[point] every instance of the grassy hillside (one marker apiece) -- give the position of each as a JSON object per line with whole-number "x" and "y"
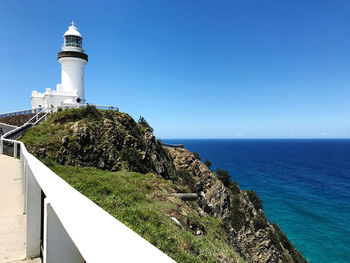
{"x": 144, "y": 203}
{"x": 104, "y": 139}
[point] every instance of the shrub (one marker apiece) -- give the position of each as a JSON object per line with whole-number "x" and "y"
{"x": 196, "y": 156}
{"x": 145, "y": 124}
{"x": 186, "y": 177}
{"x": 67, "y": 115}
{"x": 282, "y": 237}
{"x": 234, "y": 187}
{"x": 237, "y": 217}
{"x": 208, "y": 163}
{"x": 254, "y": 198}
{"x": 91, "y": 112}
{"x": 109, "y": 114}
{"x": 259, "y": 222}
{"x": 134, "y": 160}
{"x": 273, "y": 237}
{"x": 135, "y": 131}
{"x": 223, "y": 176}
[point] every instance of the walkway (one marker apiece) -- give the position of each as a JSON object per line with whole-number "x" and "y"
{"x": 12, "y": 220}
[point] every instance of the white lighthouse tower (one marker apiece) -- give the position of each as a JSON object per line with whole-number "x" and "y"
{"x": 73, "y": 60}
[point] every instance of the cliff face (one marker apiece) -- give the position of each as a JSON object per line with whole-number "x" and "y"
{"x": 114, "y": 141}
{"x": 246, "y": 226}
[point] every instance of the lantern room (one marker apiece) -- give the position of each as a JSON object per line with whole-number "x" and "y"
{"x": 72, "y": 39}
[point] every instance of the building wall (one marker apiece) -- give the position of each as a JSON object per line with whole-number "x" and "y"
{"x": 52, "y": 99}
{"x": 72, "y": 76}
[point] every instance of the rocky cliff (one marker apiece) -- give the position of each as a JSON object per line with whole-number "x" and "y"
{"x": 247, "y": 228}
{"x": 114, "y": 141}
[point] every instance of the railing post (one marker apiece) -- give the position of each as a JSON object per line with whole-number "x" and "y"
{"x": 1, "y": 146}
{"x": 15, "y": 149}
{"x": 33, "y": 192}
{"x": 22, "y": 170}
{"x": 58, "y": 246}
{"x": 25, "y": 184}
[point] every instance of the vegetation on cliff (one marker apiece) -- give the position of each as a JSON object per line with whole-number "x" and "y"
{"x": 144, "y": 203}
{"x": 119, "y": 164}
{"x": 107, "y": 140}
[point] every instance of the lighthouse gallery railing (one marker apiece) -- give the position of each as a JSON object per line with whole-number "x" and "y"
{"x": 68, "y": 226}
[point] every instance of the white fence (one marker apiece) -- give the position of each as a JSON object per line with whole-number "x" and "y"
{"x": 70, "y": 227}
{"x": 21, "y": 112}
{"x": 102, "y": 107}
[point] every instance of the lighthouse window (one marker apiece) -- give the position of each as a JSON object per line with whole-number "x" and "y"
{"x": 72, "y": 41}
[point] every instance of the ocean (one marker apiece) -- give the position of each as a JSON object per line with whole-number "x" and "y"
{"x": 304, "y": 185}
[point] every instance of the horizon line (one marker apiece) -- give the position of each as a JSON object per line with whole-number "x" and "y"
{"x": 297, "y": 138}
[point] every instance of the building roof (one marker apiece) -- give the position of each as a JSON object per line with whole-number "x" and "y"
{"x": 72, "y": 31}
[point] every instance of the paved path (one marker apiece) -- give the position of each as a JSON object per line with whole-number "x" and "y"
{"x": 12, "y": 220}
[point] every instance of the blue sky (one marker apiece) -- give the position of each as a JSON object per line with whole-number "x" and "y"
{"x": 193, "y": 69}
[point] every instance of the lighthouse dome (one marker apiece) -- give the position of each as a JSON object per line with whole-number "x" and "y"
{"x": 72, "y": 31}
{"x": 73, "y": 40}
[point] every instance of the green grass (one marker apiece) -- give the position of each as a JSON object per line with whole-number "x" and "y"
{"x": 61, "y": 123}
{"x": 42, "y": 133}
{"x": 144, "y": 203}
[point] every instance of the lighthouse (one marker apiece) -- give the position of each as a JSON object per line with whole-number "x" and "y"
{"x": 73, "y": 60}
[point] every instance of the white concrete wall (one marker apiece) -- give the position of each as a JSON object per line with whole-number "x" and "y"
{"x": 53, "y": 99}
{"x": 72, "y": 75}
{"x": 37, "y": 101}
{"x": 58, "y": 246}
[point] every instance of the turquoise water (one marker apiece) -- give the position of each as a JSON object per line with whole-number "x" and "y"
{"x": 304, "y": 185}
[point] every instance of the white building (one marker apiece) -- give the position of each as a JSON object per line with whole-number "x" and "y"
{"x": 73, "y": 60}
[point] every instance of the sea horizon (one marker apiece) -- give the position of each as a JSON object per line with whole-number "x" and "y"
{"x": 255, "y": 138}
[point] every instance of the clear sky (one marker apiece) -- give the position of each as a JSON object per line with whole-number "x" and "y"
{"x": 193, "y": 69}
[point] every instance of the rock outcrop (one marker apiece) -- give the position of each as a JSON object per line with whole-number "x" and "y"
{"x": 105, "y": 140}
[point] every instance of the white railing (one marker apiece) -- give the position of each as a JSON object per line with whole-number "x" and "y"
{"x": 102, "y": 107}
{"x": 44, "y": 112}
{"x": 65, "y": 106}
{"x": 106, "y": 107}
{"x": 20, "y": 112}
{"x": 72, "y": 228}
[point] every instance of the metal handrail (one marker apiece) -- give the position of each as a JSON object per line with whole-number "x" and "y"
{"x": 106, "y": 107}
{"x": 28, "y": 123}
{"x": 36, "y": 116}
{"x": 52, "y": 110}
{"x": 20, "y": 112}
{"x": 102, "y": 107}
{"x": 173, "y": 145}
